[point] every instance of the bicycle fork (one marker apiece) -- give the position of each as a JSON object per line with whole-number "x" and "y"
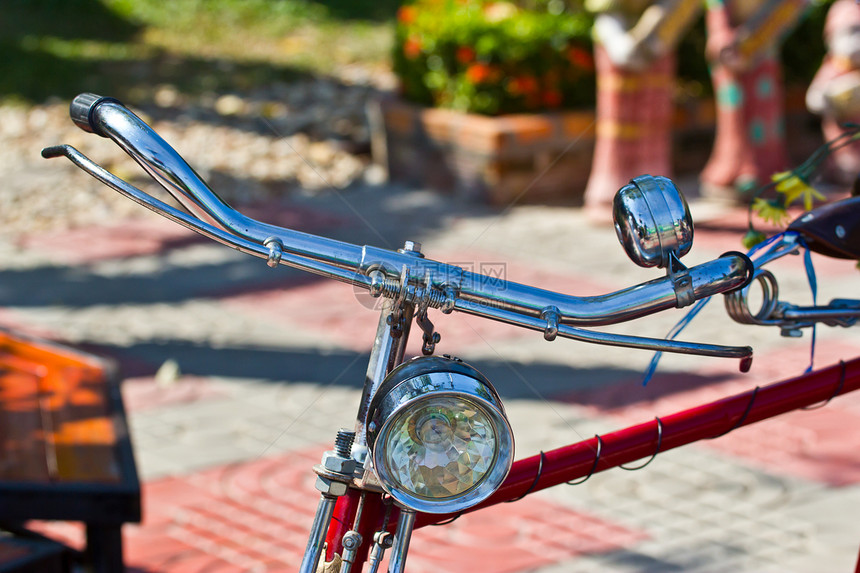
{"x": 354, "y": 519}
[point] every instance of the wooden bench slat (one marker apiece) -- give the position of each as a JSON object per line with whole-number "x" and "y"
{"x": 56, "y": 422}
{"x": 22, "y": 455}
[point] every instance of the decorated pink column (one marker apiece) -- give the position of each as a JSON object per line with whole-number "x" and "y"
{"x": 834, "y": 93}
{"x": 635, "y": 62}
{"x": 742, "y": 49}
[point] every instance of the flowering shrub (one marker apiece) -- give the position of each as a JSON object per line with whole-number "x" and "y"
{"x": 494, "y": 57}
{"x": 793, "y": 185}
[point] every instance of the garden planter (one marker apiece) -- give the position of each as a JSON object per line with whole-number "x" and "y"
{"x": 531, "y": 158}
{"x": 500, "y": 160}
{"x": 523, "y": 158}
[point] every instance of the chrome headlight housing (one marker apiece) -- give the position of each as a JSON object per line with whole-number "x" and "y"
{"x": 439, "y": 438}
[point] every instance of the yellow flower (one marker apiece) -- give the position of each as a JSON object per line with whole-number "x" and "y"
{"x": 792, "y": 186}
{"x": 771, "y": 211}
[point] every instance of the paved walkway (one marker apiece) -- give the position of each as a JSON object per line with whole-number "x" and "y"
{"x": 238, "y": 376}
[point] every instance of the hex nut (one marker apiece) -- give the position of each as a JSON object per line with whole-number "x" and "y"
{"x": 335, "y": 463}
{"x": 351, "y": 540}
{"x": 330, "y": 486}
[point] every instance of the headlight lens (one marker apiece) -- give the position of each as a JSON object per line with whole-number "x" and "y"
{"x": 442, "y": 448}
{"x": 440, "y": 441}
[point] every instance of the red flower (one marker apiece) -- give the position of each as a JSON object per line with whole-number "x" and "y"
{"x": 580, "y": 58}
{"x": 478, "y": 73}
{"x": 406, "y": 14}
{"x": 522, "y": 85}
{"x": 412, "y": 47}
{"x": 552, "y": 98}
{"x": 465, "y": 55}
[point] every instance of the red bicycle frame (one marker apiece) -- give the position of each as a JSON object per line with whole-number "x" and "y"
{"x": 582, "y": 459}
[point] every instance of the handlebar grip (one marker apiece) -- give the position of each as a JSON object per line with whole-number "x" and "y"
{"x": 81, "y": 111}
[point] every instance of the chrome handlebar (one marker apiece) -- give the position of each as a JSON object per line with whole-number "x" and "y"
{"x": 403, "y": 274}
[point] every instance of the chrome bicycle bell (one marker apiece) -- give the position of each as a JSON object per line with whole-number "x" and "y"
{"x": 652, "y": 221}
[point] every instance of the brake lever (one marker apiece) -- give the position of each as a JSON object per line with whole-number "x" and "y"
{"x": 108, "y": 118}
{"x": 243, "y": 245}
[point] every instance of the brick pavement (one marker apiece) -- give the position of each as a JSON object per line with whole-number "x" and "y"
{"x": 271, "y": 364}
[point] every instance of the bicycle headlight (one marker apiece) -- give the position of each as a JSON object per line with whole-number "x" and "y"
{"x": 438, "y": 435}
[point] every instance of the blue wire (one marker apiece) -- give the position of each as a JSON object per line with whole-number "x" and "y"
{"x": 696, "y": 308}
{"x": 813, "y": 286}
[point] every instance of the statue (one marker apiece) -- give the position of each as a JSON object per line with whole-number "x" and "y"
{"x": 635, "y": 61}
{"x": 742, "y": 49}
{"x": 834, "y": 93}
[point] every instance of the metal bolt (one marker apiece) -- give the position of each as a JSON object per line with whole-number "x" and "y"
{"x": 383, "y": 538}
{"x": 276, "y": 249}
{"x": 412, "y": 248}
{"x": 840, "y": 231}
{"x": 351, "y": 540}
{"x": 551, "y": 315}
{"x": 343, "y": 443}
{"x": 377, "y": 283}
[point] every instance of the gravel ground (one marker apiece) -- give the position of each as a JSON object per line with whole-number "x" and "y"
{"x": 309, "y": 135}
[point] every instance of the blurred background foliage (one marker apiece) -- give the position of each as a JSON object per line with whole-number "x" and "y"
{"x": 478, "y": 55}
{"x": 495, "y": 57}
{"x": 58, "y": 48}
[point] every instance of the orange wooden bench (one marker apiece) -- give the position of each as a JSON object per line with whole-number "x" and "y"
{"x": 32, "y": 555}
{"x": 65, "y": 452}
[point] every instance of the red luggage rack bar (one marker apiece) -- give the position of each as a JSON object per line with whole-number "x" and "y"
{"x": 645, "y": 440}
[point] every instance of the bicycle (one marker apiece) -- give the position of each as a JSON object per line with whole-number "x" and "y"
{"x": 372, "y": 494}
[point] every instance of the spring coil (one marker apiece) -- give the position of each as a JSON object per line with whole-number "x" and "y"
{"x": 737, "y": 302}
{"x": 391, "y": 288}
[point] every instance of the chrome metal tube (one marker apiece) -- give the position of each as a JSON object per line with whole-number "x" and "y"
{"x": 441, "y": 285}
{"x": 387, "y": 352}
{"x": 377, "y": 551}
{"x": 205, "y": 229}
{"x": 397, "y": 561}
{"x": 319, "y": 528}
{"x": 168, "y": 168}
{"x": 606, "y": 338}
{"x": 710, "y": 278}
{"x": 821, "y": 314}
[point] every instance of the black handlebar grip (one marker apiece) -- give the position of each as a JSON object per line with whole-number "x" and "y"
{"x": 81, "y": 110}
